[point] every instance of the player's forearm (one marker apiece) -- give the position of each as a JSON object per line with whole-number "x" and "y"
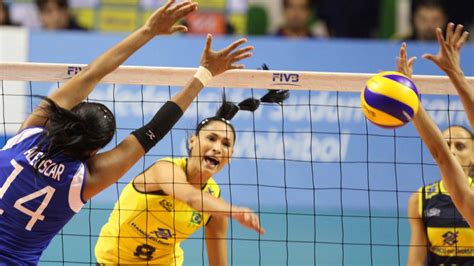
{"x": 216, "y": 248}
{"x": 115, "y": 56}
{"x": 79, "y": 87}
{"x": 186, "y": 96}
{"x": 430, "y": 134}
{"x": 207, "y": 203}
{"x": 465, "y": 91}
{"x": 417, "y": 256}
{"x": 108, "y": 167}
{"x": 451, "y": 170}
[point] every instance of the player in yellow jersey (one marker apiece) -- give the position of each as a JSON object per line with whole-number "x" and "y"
{"x": 173, "y": 198}
{"x": 440, "y": 235}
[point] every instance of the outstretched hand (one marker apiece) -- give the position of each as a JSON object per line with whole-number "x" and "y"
{"x": 448, "y": 56}
{"x": 247, "y": 218}
{"x": 162, "y": 21}
{"x": 405, "y": 65}
{"x": 220, "y": 61}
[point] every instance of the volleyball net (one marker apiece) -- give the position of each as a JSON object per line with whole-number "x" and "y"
{"x": 330, "y": 188}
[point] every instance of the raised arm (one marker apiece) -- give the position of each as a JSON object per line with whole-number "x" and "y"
{"x": 451, "y": 170}
{"x": 448, "y": 60}
{"x": 80, "y": 86}
{"x": 106, "y": 168}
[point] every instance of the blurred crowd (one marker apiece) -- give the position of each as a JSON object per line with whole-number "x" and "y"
{"x": 401, "y": 19}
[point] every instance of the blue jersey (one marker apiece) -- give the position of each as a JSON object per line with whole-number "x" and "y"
{"x": 37, "y": 197}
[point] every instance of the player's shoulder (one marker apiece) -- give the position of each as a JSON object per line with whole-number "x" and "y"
{"x": 213, "y": 188}
{"x": 22, "y": 135}
{"x": 180, "y": 162}
{"x": 430, "y": 190}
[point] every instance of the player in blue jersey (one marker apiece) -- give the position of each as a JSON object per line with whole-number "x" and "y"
{"x": 51, "y": 167}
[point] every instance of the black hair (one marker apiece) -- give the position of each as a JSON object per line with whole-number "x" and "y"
{"x": 228, "y": 109}
{"x": 86, "y": 127}
{"x": 429, "y": 4}
{"x": 63, "y": 4}
{"x": 286, "y": 3}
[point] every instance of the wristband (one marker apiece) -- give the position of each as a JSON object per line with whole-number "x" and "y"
{"x": 203, "y": 75}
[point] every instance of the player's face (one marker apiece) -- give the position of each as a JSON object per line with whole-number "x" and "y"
{"x": 54, "y": 17}
{"x": 427, "y": 20}
{"x": 213, "y": 146}
{"x": 297, "y": 14}
{"x": 461, "y": 145}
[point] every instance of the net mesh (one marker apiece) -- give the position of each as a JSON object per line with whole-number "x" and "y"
{"x": 330, "y": 188}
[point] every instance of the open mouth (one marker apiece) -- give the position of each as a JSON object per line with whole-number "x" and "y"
{"x": 211, "y": 161}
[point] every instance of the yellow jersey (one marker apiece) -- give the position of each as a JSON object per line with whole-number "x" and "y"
{"x": 451, "y": 240}
{"x": 147, "y": 228}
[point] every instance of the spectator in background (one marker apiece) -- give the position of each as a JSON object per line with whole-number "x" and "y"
{"x": 297, "y": 16}
{"x": 457, "y": 11}
{"x": 349, "y": 18}
{"x": 427, "y": 16}
{"x": 5, "y": 14}
{"x": 55, "y": 15}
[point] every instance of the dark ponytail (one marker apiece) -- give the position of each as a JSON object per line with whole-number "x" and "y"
{"x": 78, "y": 132}
{"x": 228, "y": 109}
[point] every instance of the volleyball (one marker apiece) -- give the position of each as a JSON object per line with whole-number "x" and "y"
{"x": 390, "y": 99}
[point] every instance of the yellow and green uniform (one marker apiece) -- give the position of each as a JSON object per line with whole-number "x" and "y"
{"x": 147, "y": 228}
{"x": 451, "y": 240}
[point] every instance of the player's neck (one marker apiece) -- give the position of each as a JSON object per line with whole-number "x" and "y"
{"x": 195, "y": 176}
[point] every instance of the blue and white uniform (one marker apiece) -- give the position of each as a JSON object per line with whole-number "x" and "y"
{"x": 36, "y": 199}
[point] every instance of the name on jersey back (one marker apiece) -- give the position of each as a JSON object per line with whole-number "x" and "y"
{"x": 47, "y": 167}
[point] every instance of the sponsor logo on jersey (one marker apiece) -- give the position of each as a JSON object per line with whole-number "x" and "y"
{"x": 210, "y": 190}
{"x": 450, "y": 238}
{"x": 432, "y": 212}
{"x": 163, "y": 233}
{"x": 167, "y": 205}
{"x": 431, "y": 191}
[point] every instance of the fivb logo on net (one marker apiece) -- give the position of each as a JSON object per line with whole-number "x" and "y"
{"x": 286, "y": 79}
{"x": 73, "y": 70}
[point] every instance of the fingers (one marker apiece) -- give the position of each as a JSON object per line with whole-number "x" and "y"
{"x": 402, "y": 58}
{"x": 240, "y": 57}
{"x": 462, "y": 40}
{"x": 241, "y": 54}
{"x": 449, "y": 32}
{"x": 240, "y": 66}
{"x": 179, "y": 28}
{"x": 457, "y": 34}
{"x": 442, "y": 44}
{"x": 208, "y": 42}
{"x": 411, "y": 61}
{"x": 403, "y": 50}
{"x": 178, "y": 6}
{"x": 184, "y": 9}
{"x": 429, "y": 57}
{"x": 250, "y": 220}
{"x": 233, "y": 46}
{"x": 254, "y": 222}
{"x": 168, "y": 4}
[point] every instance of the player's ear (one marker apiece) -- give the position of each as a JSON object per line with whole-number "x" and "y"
{"x": 191, "y": 141}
